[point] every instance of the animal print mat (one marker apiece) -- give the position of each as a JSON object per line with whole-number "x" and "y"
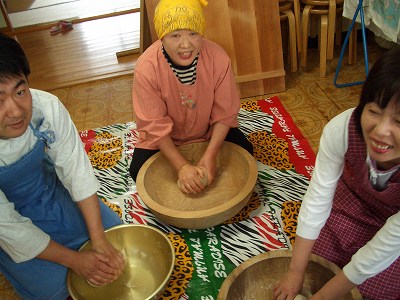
{"x": 204, "y": 258}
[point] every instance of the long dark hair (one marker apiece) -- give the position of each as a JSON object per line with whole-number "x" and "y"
{"x": 13, "y": 61}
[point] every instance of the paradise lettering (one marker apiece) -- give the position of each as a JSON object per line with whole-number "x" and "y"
{"x": 216, "y": 254}
{"x": 281, "y": 122}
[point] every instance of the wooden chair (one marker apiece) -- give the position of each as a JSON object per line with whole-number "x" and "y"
{"x": 290, "y": 10}
{"x": 4, "y": 13}
{"x": 328, "y": 11}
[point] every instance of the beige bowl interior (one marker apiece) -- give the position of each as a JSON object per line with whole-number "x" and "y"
{"x": 255, "y": 278}
{"x": 227, "y": 195}
{"x": 150, "y": 261}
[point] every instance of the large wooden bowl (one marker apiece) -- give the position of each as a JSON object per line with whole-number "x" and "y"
{"x": 226, "y": 196}
{"x": 150, "y": 260}
{"x": 255, "y": 278}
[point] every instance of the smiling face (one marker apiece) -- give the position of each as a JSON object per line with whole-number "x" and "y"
{"x": 182, "y": 46}
{"x": 15, "y": 107}
{"x": 381, "y": 131}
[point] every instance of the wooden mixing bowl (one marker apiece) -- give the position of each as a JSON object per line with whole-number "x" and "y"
{"x": 225, "y": 197}
{"x": 150, "y": 260}
{"x": 255, "y": 278}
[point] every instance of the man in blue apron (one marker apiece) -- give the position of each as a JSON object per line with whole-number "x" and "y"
{"x": 48, "y": 201}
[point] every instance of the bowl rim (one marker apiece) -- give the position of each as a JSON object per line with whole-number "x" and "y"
{"x": 223, "y": 292}
{"x": 162, "y": 286}
{"x": 195, "y": 214}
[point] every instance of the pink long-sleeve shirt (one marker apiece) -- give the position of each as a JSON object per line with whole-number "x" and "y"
{"x": 164, "y": 106}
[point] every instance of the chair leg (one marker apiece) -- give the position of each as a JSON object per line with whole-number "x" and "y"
{"x": 338, "y": 34}
{"x": 323, "y": 45}
{"x": 331, "y": 27}
{"x": 353, "y": 46}
{"x": 292, "y": 39}
{"x": 297, "y": 15}
{"x": 305, "y": 17}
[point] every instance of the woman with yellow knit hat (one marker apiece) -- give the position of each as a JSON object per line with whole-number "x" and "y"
{"x": 184, "y": 91}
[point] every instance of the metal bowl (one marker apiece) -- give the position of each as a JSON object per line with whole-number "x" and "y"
{"x": 150, "y": 259}
{"x": 255, "y": 278}
{"x": 222, "y": 199}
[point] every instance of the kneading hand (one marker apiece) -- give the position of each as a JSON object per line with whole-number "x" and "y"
{"x": 289, "y": 286}
{"x": 192, "y": 179}
{"x": 101, "y": 265}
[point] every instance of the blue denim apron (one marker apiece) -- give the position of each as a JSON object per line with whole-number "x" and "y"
{"x": 32, "y": 185}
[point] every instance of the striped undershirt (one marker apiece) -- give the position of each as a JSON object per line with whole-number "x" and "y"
{"x": 185, "y": 74}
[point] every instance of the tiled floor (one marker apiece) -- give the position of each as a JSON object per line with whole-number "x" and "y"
{"x": 99, "y": 103}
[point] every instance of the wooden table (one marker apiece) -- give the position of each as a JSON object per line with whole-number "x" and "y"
{"x": 250, "y": 33}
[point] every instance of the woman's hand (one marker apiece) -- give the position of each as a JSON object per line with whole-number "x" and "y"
{"x": 210, "y": 167}
{"x": 289, "y": 286}
{"x": 191, "y": 179}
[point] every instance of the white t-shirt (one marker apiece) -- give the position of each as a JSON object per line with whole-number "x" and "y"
{"x": 384, "y": 248}
{"x": 18, "y": 236}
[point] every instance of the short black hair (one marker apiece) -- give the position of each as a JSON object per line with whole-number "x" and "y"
{"x": 13, "y": 61}
{"x": 382, "y": 84}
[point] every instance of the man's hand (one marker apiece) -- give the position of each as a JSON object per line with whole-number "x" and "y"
{"x": 94, "y": 267}
{"x": 101, "y": 265}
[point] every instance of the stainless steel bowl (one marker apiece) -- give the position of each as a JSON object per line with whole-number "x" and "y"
{"x": 150, "y": 259}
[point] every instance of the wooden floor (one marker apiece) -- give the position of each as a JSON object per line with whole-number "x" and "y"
{"x": 33, "y": 12}
{"x": 86, "y": 53}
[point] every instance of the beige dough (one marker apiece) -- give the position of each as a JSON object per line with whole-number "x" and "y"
{"x": 305, "y": 294}
{"x": 204, "y": 179}
{"x": 300, "y": 297}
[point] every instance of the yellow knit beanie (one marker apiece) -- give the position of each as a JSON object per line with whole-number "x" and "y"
{"x": 173, "y": 15}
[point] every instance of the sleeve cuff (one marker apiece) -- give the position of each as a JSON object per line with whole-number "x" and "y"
{"x": 351, "y": 273}
{"x": 34, "y": 246}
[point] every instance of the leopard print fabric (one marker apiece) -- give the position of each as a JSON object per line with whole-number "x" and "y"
{"x": 183, "y": 270}
{"x": 268, "y": 149}
{"x": 114, "y": 207}
{"x": 244, "y": 214}
{"x": 289, "y": 214}
{"x": 106, "y": 151}
{"x": 271, "y": 150}
{"x": 250, "y": 105}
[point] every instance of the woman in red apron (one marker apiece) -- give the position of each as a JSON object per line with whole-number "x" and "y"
{"x": 350, "y": 213}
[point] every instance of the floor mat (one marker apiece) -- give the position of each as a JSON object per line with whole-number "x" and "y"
{"x": 268, "y": 222}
